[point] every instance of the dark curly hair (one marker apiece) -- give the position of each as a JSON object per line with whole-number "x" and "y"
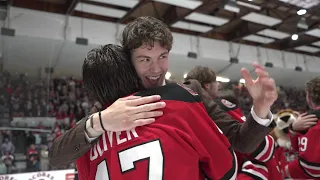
{"x": 204, "y": 75}
{"x": 107, "y": 74}
{"x": 313, "y": 88}
{"x": 145, "y": 31}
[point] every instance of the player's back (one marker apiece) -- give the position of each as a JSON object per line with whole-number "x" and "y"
{"x": 302, "y": 138}
{"x": 182, "y": 144}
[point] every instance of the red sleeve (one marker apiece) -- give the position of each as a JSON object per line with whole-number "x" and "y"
{"x": 204, "y": 131}
{"x": 232, "y": 109}
{"x": 237, "y": 115}
{"x": 308, "y": 164}
{"x": 83, "y": 167}
{"x": 252, "y": 170}
{"x": 294, "y": 141}
{"x": 265, "y": 150}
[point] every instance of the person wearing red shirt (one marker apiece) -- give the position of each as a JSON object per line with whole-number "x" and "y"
{"x": 307, "y": 165}
{"x": 32, "y": 158}
{"x": 9, "y": 89}
{"x": 259, "y": 164}
{"x": 148, "y": 42}
{"x": 184, "y": 143}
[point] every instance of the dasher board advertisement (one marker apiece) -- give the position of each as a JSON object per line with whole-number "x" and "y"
{"x": 68, "y": 174}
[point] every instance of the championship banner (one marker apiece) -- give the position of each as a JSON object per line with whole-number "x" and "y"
{"x": 68, "y": 174}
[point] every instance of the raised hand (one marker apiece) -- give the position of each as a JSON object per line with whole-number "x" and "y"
{"x": 262, "y": 90}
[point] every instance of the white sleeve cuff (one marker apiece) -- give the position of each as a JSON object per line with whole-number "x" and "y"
{"x": 91, "y": 131}
{"x": 89, "y": 139}
{"x": 263, "y": 122}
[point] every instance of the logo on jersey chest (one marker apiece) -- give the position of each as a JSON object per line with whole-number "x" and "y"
{"x": 227, "y": 103}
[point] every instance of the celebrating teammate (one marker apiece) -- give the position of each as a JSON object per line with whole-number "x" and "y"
{"x": 259, "y": 164}
{"x": 148, "y": 41}
{"x": 184, "y": 137}
{"x": 307, "y": 166}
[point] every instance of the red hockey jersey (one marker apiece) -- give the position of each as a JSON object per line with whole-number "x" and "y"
{"x": 252, "y": 170}
{"x": 263, "y": 156}
{"x": 284, "y": 156}
{"x": 307, "y": 166}
{"x": 184, "y": 143}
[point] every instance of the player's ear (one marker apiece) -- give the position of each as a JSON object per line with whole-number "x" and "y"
{"x": 206, "y": 86}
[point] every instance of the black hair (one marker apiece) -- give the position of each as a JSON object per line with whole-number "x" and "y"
{"x": 108, "y": 74}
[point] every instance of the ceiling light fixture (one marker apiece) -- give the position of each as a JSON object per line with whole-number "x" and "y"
{"x": 185, "y": 75}
{"x": 295, "y": 37}
{"x": 222, "y": 79}
{"x": 301, "y": 12}
{"x": 302, "y": 24}
{"x": 242, "y": 81}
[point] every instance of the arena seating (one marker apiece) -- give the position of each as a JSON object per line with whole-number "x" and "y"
{"x": 54, "y": 107}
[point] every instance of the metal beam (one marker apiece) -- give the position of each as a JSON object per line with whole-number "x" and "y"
{"x": 216, "y": 35}
{"x": 175, "y": 14}
{"x": 200, "y": 23}
{"x": 242, "y": 31}
{"x": 184, "y": 31}
{"x": 287, "y": 43}
{"x": 236, "y": 19}
{"x": 171, "y": 15}
{"x": 125, "y": 17}
{"x": 246, "y": 32}
{"x": 72, "y": 5}
{"x": 41, "y": 6}
{"x": 243, "y": 27}
{"x": 94, "y": 16}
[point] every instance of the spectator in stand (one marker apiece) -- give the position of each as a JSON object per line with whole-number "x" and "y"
{"x": 7, "y": 159}
{"x": 7, "y": 146}
{"x": 32, "y": 158}
{"x": 44, "y": 160}
{"x": 50, "y": 138}
{"x": 9, "y": 89}
{"x": 25, "y": 98}
{"x": 31, "y": 139}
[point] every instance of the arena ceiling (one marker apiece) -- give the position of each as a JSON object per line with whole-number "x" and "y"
{"x": 265, "y": 23}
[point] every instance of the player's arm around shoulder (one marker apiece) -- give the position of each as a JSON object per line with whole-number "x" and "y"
{"x": 244, "y": 137}
{"x": 71, "y": 145}
{"x": 124, "y": 114}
